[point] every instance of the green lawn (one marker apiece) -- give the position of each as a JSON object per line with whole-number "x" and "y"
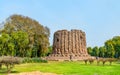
{"x": 69, "y": 68}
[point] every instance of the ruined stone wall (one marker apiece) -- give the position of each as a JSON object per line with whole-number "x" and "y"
{"x": 69, "y": 44}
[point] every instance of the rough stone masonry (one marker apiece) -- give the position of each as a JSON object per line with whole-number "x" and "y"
{"x": 69, "y": 45}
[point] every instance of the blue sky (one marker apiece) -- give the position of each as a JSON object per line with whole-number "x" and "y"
{"x": 100, "y": 19}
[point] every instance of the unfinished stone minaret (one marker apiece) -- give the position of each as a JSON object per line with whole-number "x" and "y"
{"x": 69, "y": 45}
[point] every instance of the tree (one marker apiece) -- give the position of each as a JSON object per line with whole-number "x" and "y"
{"x": 89, "y": 49}
{"x": 116, "y": 44}
{"x": 21, "y": 41}
{"x": 110, "y": 48}
{"x": 14, "y": 45}
{"x": 38, "y": 35}
{"x": 6, "y": 45}
{"x": 95, "y": 51}
{"x": 49, "y": 50}
{"x": 102, "y": 51}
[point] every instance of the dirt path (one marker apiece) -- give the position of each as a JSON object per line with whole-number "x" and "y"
{"x": 34, "y": 73}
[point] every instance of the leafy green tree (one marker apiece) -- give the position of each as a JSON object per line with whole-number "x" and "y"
{"x": 89, "y": 49}
{"x": 6, "y": 45}
{"x": 116, "y": 44}
{"x": 96, "y": 51}
{"x": 38, "y": 35}
{"x": 49, "y": 50}
{"x": 21, "y": 42}
{"x": 102, "y": 51}
{"x": 110, "y": 48}
{"x": 14, "y": 45}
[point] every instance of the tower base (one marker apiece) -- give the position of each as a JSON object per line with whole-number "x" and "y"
{"x": 67, "y": 57}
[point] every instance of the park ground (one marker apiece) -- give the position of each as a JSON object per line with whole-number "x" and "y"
{"x": 68, "y": 68}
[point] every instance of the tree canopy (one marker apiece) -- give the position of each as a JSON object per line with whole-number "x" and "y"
{"x": 29, "y": 37}
{"x": 110, "y": 49}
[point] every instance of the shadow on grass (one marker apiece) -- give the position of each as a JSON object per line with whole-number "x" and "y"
{"x": 4, "y": 71}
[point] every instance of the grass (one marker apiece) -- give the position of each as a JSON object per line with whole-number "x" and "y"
{"x": 69, "y": 68}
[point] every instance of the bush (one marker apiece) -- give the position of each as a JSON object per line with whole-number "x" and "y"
{"x": 110, "y": 60}
{"x": 91, "y": 60}
{"x": 104, "y": 61}
{"x": 33, "y": 60}
{"x": 9, "y": 62}
{"x": 118, "y": 61}
{"x": 37, "y": 60}
{"x": 99, "y": 60}
{"x": 86, "y": 60}
{"x": 26, "y": 60}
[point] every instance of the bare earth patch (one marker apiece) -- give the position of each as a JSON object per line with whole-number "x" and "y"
{"x": 34, "y": 73}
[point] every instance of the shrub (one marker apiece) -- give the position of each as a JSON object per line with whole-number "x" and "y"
{"x": 9, "y": 62}
{"x": 104, "y": 61}
{"x": 99, "y": 60}
{"x": 86, "y": 60}
{"x": 37, "y": 60}
{"x": 110, "y": 60}
{"x": 26, "y": 60}
{"x": 91, "y": 60}
{"x": 33, "y": 60}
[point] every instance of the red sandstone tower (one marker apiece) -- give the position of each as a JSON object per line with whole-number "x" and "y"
{"x": 69, "y": 45}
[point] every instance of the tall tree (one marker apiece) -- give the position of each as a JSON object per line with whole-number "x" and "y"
{"x": 38, "y": 35}
{"x": 21, "y": 41}
{"x": 89, "y": 49}
{"x": 110, "y": 48}
{"x": 116, "y": 44}
{"x": 102, "y": 51}
{"x": 6, "y": 45}
{"x": 96, "y": 51}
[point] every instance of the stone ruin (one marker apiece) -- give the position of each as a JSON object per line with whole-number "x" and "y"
{"x": 69, "y": 45}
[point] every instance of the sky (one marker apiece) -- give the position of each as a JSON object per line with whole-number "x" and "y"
{"x": 99, "y": 19}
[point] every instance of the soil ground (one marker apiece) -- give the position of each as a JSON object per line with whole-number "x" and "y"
{"x": 34, "y": 73}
